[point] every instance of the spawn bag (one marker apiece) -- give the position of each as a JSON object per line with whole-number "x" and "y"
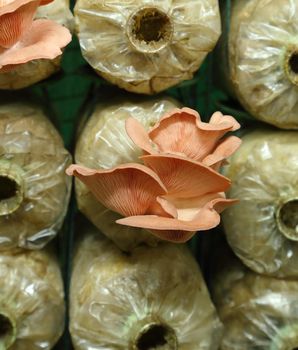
{"x": 104, "y": 144}
{"x": 34, "y": 71}
{"x": 260, "y": 54}
{"x": 152, "y": 298}
{"x": 31, "y": 301}
{"x": 58, "y": 11}
{"x": 34, "y": 189}
{"x": 258, "y": 312}
{"x": 146, "y": 46}
{"x": 262, "y": 227}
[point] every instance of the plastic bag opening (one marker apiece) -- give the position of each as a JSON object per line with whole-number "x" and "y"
{"x": 156, "y": 336}
{"x": 291, "y": 65}
{"x": 287, "y": 219}
{"x": 149, "y": 29}
{"x": 7, "y": 331}
{"x": 11, "y": 188}
{"x": 293, "y": 62}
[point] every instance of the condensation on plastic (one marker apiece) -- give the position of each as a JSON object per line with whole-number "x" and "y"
{"x": 261, "y": 41}
{"x": 108, "y": 34}
{"x": 33, "y": 204}
{"x": 264, "y": 178}
{"x": 118, "y": 300}
{"x": 258, "y": 312}
{"x": 31, "y": 301}
{"x": 37, "y": 70}
{"x": 104, "y": 144}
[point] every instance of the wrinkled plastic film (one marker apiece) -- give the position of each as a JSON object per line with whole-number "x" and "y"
{"x": 57, "y": 11}
{"x": 262, "y": 69}
{"x": 34, "y": 188}
{"x": 147, "y": 47}
{"x": 31, "y": 301}
{"x": 262, "y": 227}
{"x": 153, "y": 298}
{"x": 34, "y": 71}
{"x": 104, "y": 144}
{"x": 258, "y": 312}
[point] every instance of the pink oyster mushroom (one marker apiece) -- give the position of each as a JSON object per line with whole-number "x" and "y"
{"x": 178, "y": 190}
{"x": 22, "y": 39}
{"x": 173, "y": 199}
{"x": 182, "y": 132}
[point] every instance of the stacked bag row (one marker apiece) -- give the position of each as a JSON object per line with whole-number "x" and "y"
{"x": 136, "y": 291}
{"x": 34, "y": 190}
{"x": 256, "y": 302}
{"x": 147, "y": 172}
{"x": 257, "y": 311}
{"x": 130, "y": 296}
{"x": 34, "y": 195}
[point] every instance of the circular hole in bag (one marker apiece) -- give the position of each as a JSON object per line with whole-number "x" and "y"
{"x": 287, "y": 219}
{"x": 156, "y": 336}
{"x": 149, "y": 29}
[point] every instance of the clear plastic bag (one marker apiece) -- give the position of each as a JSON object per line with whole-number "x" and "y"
{"x": 103, "y": 144}
{"x": 34, "y": 71}
{"x": 258, "y": 312}
{"x": 34, "y": 189}
{"x": 262, "y": 227}
{"x": 147, "y": 46}
{"x": 31, "y": 301}
{"x": 152, "y": 298}
{"x": 262, "y": 58}
{"x": 57, "y": 11}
